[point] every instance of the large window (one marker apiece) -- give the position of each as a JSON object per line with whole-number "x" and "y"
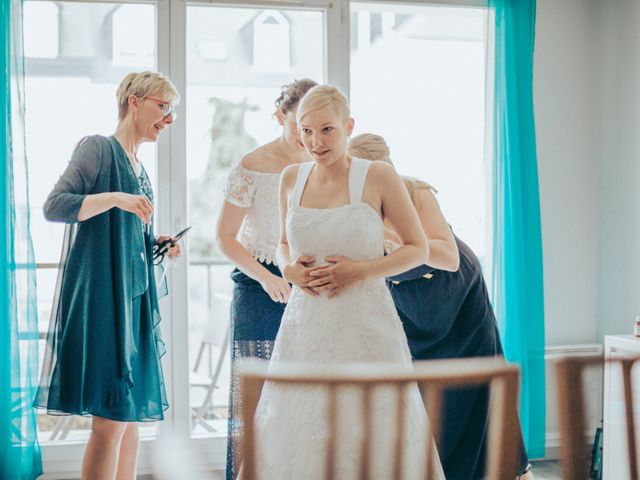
{"x": 415, "y": 74}
{"x": 418, "y": 79}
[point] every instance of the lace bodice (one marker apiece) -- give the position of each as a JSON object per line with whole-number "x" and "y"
{"x": 258, "y": 193}
{"x": 354, "y": 230}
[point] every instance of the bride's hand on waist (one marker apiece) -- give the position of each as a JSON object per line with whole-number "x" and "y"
{"x": 338, "y": 275}
{"x": 299, "y": 273}
{"x": 276, "y": 287}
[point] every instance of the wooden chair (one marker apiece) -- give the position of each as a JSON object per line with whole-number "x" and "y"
{"x": 501, "y": 378}
{"x": 571, "y": 414}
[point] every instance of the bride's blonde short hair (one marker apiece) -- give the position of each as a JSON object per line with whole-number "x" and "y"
{"x": 373, "y": 147}
{"x": 321, "y": 97}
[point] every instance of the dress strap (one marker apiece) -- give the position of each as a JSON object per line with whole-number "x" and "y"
{"x": 301, "y": 180}
{"x": 357, "y": 177}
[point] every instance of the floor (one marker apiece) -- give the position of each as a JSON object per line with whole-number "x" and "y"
{"x": 546, "y": 470}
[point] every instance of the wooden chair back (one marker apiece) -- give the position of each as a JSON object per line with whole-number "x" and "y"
{"x": 572, "y": 413}
{"x": 436, "y": 376}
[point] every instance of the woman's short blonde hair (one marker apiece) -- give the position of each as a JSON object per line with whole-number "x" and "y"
{"x": 370, "y": 146}
{"x": 143, "y": 84}
{"x": 321, "y": 97}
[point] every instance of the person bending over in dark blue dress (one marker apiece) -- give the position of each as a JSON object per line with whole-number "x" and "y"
{"x": 104, "y": 346}
{"x": 446, "y": 313}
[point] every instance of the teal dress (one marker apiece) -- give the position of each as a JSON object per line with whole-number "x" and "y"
{"x": 104, "y": 345}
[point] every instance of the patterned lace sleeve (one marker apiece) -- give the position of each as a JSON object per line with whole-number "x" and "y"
{"x": 241, "y": 187}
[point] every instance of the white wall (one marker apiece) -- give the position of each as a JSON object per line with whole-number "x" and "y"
{"x": 565, "y": 114}
{"x": 619, "y": 168}
{"x": 587, "y": 105}
{"x": 565, "y": 123}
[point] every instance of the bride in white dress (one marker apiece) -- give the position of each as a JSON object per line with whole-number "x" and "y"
{"x": 340, "y": 310}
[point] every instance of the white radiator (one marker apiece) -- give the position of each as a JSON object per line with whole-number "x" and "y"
{"x": 592, "y": 390}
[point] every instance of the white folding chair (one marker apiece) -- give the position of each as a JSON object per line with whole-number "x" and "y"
{"x": 62, "y": 428}
{"x": 215, "y": 336}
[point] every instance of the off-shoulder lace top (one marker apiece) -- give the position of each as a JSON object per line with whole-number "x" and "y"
{"x": 257, "y": 192}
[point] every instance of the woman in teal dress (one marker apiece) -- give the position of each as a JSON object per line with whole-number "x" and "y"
{"x": 104, "y": 345}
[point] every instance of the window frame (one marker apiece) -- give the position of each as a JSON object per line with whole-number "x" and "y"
{"x": 64, "y": 459}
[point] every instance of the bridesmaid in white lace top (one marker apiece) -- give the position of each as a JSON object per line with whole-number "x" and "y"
{"x": 248, "y": 234}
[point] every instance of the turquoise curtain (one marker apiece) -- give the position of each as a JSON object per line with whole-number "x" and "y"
{"x": 19, "y": 450}
{"x": 517, "y": 256}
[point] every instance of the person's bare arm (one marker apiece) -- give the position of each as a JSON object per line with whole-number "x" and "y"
{"x": 227, "y": 229}
{"x": 399, "y": 212}
{"x": 443, "y": 250}
{"x": 296, "y": 272}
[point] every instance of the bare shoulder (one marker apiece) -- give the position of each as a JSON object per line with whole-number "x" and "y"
{"x": 424, "y": 195}
{"x": 251, "y": 160}
{"x": 289, "y": 175}
{"x": 382, "y": 172}
{"x": 258, "y": 160}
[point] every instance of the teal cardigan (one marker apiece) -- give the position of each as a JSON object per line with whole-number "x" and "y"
{"x": 106, "y": 260}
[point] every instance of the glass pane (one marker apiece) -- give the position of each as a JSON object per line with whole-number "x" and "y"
{"x": 237, "y": 60}
{"x": 424, "y": 69}
{"x": 72, "y": 73}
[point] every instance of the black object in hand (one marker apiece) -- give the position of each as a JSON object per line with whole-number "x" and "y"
{"x": 160, "y": 249}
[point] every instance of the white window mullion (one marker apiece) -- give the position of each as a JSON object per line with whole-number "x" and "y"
{"x": 337, "y": 48}
{"x": 163, "y": 200}
{"x": 175, "y": 173}
{"x": 488, "y": 149}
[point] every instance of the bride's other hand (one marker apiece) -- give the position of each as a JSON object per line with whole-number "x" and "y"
{"x": 299, "y": 273}
{"x": 277, "y": 288}
{"x": 340, "y": 274}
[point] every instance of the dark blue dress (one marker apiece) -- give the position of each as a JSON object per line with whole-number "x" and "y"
{"x": 449, "y": 315}
{"x": 104, "y": 345}
{"x": 255, "y": 320}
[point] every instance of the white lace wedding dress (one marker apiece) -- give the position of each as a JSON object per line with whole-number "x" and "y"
{"x": 360, "y": 325}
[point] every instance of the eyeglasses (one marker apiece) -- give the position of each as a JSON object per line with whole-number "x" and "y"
{"x": 166, "y": 107}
